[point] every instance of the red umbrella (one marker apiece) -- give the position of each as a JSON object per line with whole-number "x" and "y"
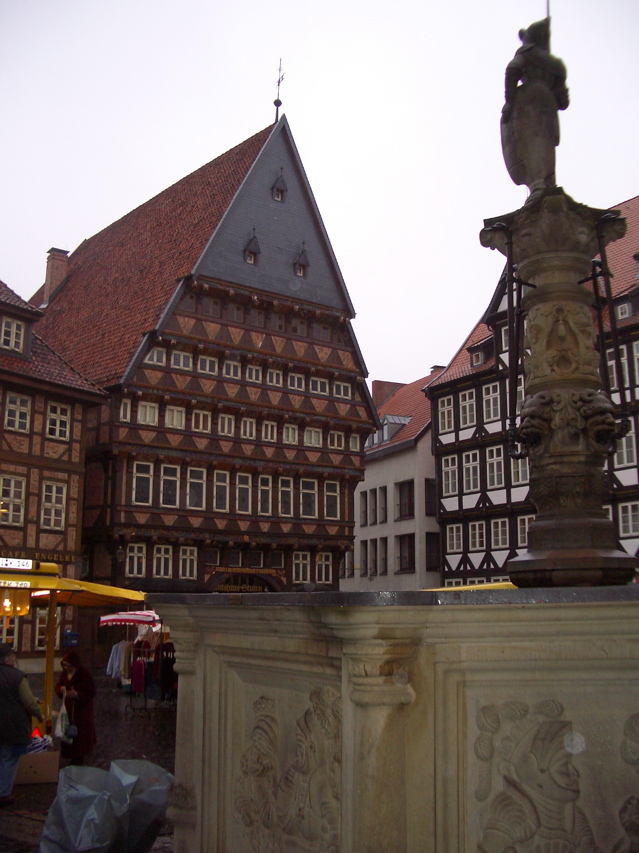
{"x": 131, "y": 617}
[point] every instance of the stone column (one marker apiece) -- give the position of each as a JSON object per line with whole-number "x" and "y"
{"x": 567, "y": 420}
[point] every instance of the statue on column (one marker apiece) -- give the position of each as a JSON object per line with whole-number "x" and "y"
{"x": 535, "y": 91}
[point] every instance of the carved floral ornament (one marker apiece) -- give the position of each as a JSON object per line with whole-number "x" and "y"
{"x": 559, "y": 343}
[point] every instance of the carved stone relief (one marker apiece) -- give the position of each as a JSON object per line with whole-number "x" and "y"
{"x": 292, "y": 803}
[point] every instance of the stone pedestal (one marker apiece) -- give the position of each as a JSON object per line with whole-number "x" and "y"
{"x": 566, "y": 420}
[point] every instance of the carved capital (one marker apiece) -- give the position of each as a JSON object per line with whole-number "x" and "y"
{"x": 182, "y": 805}
{"x": 379, "y": 673}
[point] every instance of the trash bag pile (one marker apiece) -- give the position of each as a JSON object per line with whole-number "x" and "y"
{"x": 117, "y": 811}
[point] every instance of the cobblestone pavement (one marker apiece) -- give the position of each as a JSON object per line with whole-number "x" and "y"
{"x": 125, "y": 731}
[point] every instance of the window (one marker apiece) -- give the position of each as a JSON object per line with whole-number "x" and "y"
{"x": 467, "y": 408}
{"x": 276, "y": 560}
{"x": 188, "y": 562}
{"x": 382, "y": 556}
{"x": 342, "y": 389}
{"x": 286, "y": 496}
{"x": 308, "y": 498}
{"x": 301, "y": 566}
{"x": 495, "y": 467}
{"x": 58, "y": 421}
{"x": 232, "y": 369}
{"x": 324, "y": 567}
{"x": 243, "y": 493}
{"x": 406, "y": 499}
{"x": 226, "y": 424}
{"x": 275, "y": 377}
{"x": 629, "y": 519}
{"x": 201, "y": 421}
{"x": 253, "y": 373}
{"x": 449, "y": 475}
{"x": 336, "y": 440}
{"x": 54, "y": 499}
{"x": 312, "y": 437}
{"x": 17, "y": 414}
{"x": 432, "y": 552}
{"x": 41, "y": 622}
{"x": 12, "y": 499}
{"x": 156, "y": 356}
{"x": 289, "y": 434}
{"x": 264, "y": 495}
{"x": 372, "y": 506}
{"x": 209, "y": 305}
{"x": 298, "y": 326}
{"x": 430, "y": 496}
{"x": 148, "y": 413}
{"x": 174, "y": 417}
{"x": 196, "y": 488}
{"x": 248, "y": 428}
{"x": 254, "y": 560}
{"x": 491, "y": 402}
{"x": 300, "y": 270}
{"x": 635, "y": 353}
{"x": 181, "y": 360}
{"x": 12, "y": 334}
{"x": 499, "y": 532}
{"x": 406, "y": 553}
{"x": 622, "y": 310}
{"x": 278, "y": 322}
{"x": 504, "y": 338}
{"x": 234, "y": 558}
{"x": 363, "y": 558}
{"x": 269, "y": 431}
{"x": 142, "y": 479}
{"x": 331, "y": 499}
{"x": 353, "y": 443}
{"x": 477, "y": 358}
{"x": 236, "y": 312}
{"x": 519, "y": 468}
{"x": 382, "y": 504}
{"x": 470, "y": 466}
{"x": 162, "y": 561}
{"x": 626, "y": 454}
{"x": 363, "y": 509}
{"x": 221, "y": 491}
{"x": 169, "y": 485}
{"x": 296, "y": 381}
{"x": 125, "y": 410}
{"x": 319, "y": 386}
{"x": 445, "y": 414}
{"x": 523, "y": 523}
{"x": 477, "y": 535}
{"x": 612, "y": 367}
{"x": 207, "y": 364}
{"x": 136, "y": 560}
{"x": 520, "y": 394}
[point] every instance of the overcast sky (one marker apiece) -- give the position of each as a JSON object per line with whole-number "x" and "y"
{"x": 394, "y": 108}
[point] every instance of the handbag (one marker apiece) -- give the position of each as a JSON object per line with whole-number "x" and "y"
{"x": 71, "y": 729}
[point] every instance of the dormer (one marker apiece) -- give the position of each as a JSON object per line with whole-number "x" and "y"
{"x": 252, "y": 250}
{"x": 301, "y": 263}
{"x": 279, "y": 188}
{"x": 17, "y": 318}
{"x": 481, "y": 351}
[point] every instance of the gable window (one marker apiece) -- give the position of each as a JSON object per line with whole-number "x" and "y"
{"x": 629, "y": 519}
{"x": 279, "y": 188}
{"x": 156, "y": 356}
{"x": 221, "y": 491}
{"x": 162, "y": 561}
{"x": 125, "y": 409}
{"x": 264, "y": 492}
{"x": 188, "y": 562}
{"x": 170, "y": 485}
{"x": 445, "y": 414}
{"x": 308, "y": 498}
{"x": 470, "y": 467}
{"x": 353, "y": 443}
{"x": 342, "y": 389}
{"x": 289, "y": 434}
{"x": 296, "y": 381}
{"x": 174, "y": 417}
{"x": 196, "y": 488}
{"x": 17, "y": 414}
{"x": 54, "y": 498}
{"x": 207, "y": 364}
{"x": 278, "y": 322}
{"x": 181, "y": 360}
{"x": 286, "y": 495}
{"x": 201, "y": 421}
{"x": 406, "y": 499}
{"x": 491, "y": 402}
{"x": 453, "y": 538}
{"x": 336, "y": 440}
{"x": 312, "y": 437}
{"x": 331, "y": 499}
{"x": 298, "y": 326}
{"x": 12, "y": 337}
{"x": 319, "y": 386}
{"x": 324, "y": 567}
{"x": 519, "y": 468}
{"x": 247, "y": 428}
{"x": 301, "y": 566}
{"x": 252, "y": 250}
{"x": 142, "y": 480}
{"x": 275, "y": 377}
{"x": 226, "y": 424}
{"x": 253, "y": 373}
{"x": 523, "y": 523}
{"x": 622, "y": 310}
{"x": 269, "y": 431}
{"x": 232, "y": 369}
{"x": 467, "y": 408}
{"x": 477, "y": 358}
{"x": 136, "y": 560}
{"x": 148, "y": 413}
{"x": 243, "y": 493}
{"x": 449, "y": 476}
{"x": 477, "y": 536}
{"x": 210, "y": 305}
{"x": 626, "y": 454}
{"x": 495, "y": 467}
{"x": 499, "y": 532}
{"x": 12, "y": 499}
{"x": 58, "y": 421}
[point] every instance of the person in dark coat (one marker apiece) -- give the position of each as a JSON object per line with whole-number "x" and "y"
{"x": 77, "y": 688}
{"x": 17, "y": 706}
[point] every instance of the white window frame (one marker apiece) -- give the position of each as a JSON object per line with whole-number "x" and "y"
{"x": 13, "y": 498}
{"x": 519, "y": 471}
{"x": 243, "y": 493}
{"x": 285, "y": 488}
{"x": 476, "y": 536}
{"x": 354, "y": 443}
{"x": 207, "y": 364}
{"x": 156, "y": 356}
{"x": 226, "y": 424}
{"x": 622, "y": 310}
{"x": 301, "y": 566}
{"x": 175, "y": 417}
{"x": 296, "y": 382}
{"x": 499, "y": 534}
{"x": 248, "y": 428}
{"x": 59, "y": 421}
{"x": 148, "y": 413}
{"x": 54, "y": 505}
{"x": 467, "y": 413}
{"x": 504, "y": 338}
{"x": 324, "y": 567}
{"x": 626, "y": 453}
{"x": 188, "y": 562}
{"x": 196, "y": 480}
{"x": 470, "y": 468}
{"x": 450, "y": 485}
{"x": 181, "y": 359}
{"x": 253, "y": 373}
{"x": 523, "y": 523}
{"x": 264, "y": 494}
{"x": 140, "y": 474}
{"x": 163, "y": 561}
{"x": 125, "y": 409}
{"x": 336, "y": 440}
{"x": 170, "y": 474}
{"x": 312, "y": 437}
{"x": 454, "y": 539}
{"x": 269, "y": 431}
{"x": 495, "y": 467}
{"x": 612, "y": 367}
{"x": 275, "y": 377}
{"x": 221, "y": 489}
{"x": 290, "y": 434}
{"x": 343, "y": 390}
{"x": 318, "y": 385}
{"x": 135, "y": 566}
{"x": 629, "y": 519}
{"x": 445, "y": 414}
{"x": 201, "y": 421}
{"x": 491, "y": 402}
{"x": 308, "y": 491}
{"x": 17, "y": 416}
{"x": 13, "y": 334}
{"x": 232, "y": 370}
{"x": 331, "y": 499}
{"x": 635, "y": 353}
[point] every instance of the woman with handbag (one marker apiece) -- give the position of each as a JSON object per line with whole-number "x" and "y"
{"x": 77, "y": 689}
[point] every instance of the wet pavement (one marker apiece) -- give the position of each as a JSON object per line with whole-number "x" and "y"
{"x": 125, "y": 730}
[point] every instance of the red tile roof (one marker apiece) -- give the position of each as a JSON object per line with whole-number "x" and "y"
{"x": 9, "y": 297}
{"x": 408, "y": 401}
{"x": 460, "y": 364}
{"x": 142, "y": 256}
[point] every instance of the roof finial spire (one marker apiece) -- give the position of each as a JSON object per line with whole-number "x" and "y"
{"x": 277, "y": 103}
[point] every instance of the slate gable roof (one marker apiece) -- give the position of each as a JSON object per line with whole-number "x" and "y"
{"x": 120, "y": 281}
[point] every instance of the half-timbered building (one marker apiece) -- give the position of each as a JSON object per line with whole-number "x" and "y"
{"x": 483, "y": 505}
{"x": 43, "y": 434}
{"x": 216, "y": 317}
